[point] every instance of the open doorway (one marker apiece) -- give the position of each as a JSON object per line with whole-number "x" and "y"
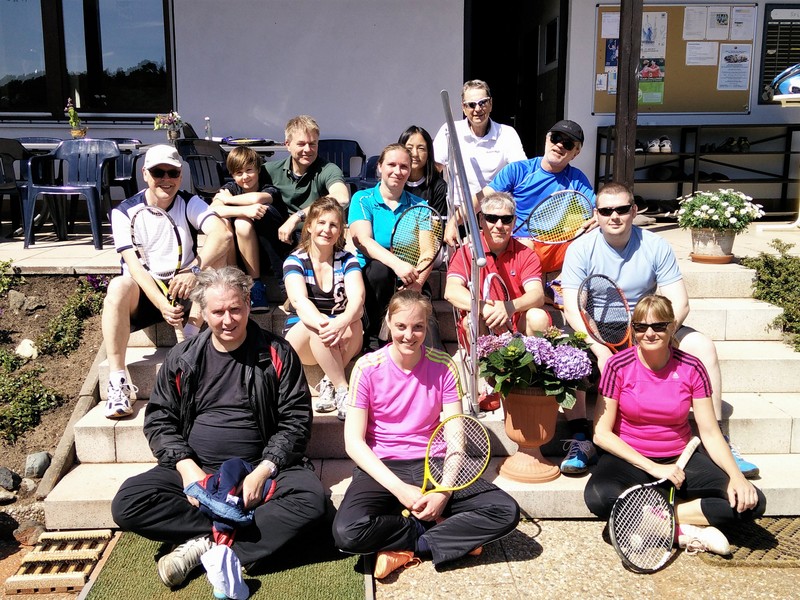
{"x": 519, "y": 49}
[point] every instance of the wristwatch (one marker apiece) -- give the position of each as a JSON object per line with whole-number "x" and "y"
{"x": 301, "y": 214}
{"x": 195, "y": 270}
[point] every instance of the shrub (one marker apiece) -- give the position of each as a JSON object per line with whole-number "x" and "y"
{"x": 23, "y": 399}
{"x": 9, "y": 276}
{"x": 778, "y": 282}
{"x": 64, "y": 331}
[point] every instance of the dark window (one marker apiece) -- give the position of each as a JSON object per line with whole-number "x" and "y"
{"x": 108, "y": 55}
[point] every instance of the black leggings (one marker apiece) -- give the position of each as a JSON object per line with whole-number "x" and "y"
{"x": 704, "y": 480}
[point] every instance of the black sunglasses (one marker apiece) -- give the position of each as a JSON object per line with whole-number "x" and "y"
{"x": 504, "y": 219}
{"x": 557, "y": 138}
{"x": 159, "y": 173}
{"x": 659, "y": 327}
{"x": 478, "y": 103}
{"x": 623, "y": 209}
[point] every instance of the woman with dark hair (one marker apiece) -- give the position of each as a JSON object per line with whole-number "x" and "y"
{"x": 645, "y": 396}
{"x": 424, "y": 180}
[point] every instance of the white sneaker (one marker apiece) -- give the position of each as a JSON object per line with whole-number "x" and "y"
{"x": 341, "y": 403}
{"x": 175, "y": 566}
{"x": 118, "y": 402}
{"x": 326, "y": 399}
{"x": 703, "y": 539}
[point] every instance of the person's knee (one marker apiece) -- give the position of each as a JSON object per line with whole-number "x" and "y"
{"x": 121, "y": 510}
{"x": 349, "y": 535}
{"x": 118, "y": 295}
{"x": 536, "y": 319}
{"x": 244, "y": 228}
{"x": 597, "y": 503}
{"x": 699, "y": 345}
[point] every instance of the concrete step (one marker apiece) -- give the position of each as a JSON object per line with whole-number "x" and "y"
{"x": 758, "y": 366}
{"x": 82, "y": 499}
{"x": 717, "y": 281}
{"x": 757, "y": 424}
{"x": 734, "y": 319}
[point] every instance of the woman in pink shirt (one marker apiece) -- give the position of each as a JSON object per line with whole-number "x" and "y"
{"x": 397, "y": 396}
{"x": 642, "y": 424}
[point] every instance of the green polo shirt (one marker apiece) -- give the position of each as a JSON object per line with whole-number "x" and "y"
{"x": 300, "y": 193}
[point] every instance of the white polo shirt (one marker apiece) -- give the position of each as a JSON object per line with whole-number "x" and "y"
{"x": 483, "y": 156}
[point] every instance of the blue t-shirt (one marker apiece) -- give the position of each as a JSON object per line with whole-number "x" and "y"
{"x": 368, "y": 205}
{"x": 529, "y": 183}
{"x": 646, "y": 262}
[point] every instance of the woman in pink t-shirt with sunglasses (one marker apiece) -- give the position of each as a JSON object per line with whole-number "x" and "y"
{"x": 398, "y": 394}
{"x": 642, "y": 424}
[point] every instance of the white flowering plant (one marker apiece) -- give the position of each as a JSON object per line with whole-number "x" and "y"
{"x": 723, "y": 210}
{"x": 552, "y": 360}
{"x": 171, "y": 121}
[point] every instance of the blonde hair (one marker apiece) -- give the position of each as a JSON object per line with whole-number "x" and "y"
{"x": 658, "y": 306}
{"x": 322, "y": 205}
{"x": 301, "y": 123}
{"x": 405, "y": 299}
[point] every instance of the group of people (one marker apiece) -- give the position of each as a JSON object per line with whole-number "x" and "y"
{"x": 234, "y": 392}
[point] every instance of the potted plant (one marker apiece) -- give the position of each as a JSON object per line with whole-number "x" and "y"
{"x": 714, "y": 218}
{"x": 535, "y": 375}
{"x": 76, "y": 130}
{"x": 172, "y": 122}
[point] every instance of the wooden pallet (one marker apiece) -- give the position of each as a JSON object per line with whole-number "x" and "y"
{"x": 60, "y": 562}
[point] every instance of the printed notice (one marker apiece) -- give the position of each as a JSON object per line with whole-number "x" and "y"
{"x": 743, "y": 22}
{"x": 694, "y": 22}
{"x": 654, "y": 35}
{"x": 734, "y": 66}
{"x": 718, "y": 23}
{"x": 701, "y": 53}
{"x": 610, "y": 25}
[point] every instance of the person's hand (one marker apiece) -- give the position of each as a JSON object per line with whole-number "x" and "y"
{"x": 407, "y": 494}
{"x": 496, "y": 316}
{"x": 253, "y": 486}
{"x": 182, "y": 284}
{"x": 589, "y": 225}
{"x": 671, "y": 472}
{"x": 222, "y": 196}
{"x": 286, "y": 230}
{"x": 742, "y": 494}
{"x": 431, "y": 506}
{"x": 405, "y": 273}
{"x": 331, "y": 331}
{"x": 254, "y": 211}
{"x": 172, "y": 315}
{"x": 190, "y": 473}
{"x": 451, "y": 232}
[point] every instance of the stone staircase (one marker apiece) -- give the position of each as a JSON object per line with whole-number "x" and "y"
{"x": 761, "y": 378}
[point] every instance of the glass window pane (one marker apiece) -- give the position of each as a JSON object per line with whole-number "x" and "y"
{"x": 74, "y": 41}
{"x": 22, "y": 77}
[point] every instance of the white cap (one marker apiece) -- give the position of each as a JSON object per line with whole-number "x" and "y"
{"x": 162, "y": 155}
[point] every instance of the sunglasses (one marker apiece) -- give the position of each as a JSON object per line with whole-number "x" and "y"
{"x": 623, "y": 209}
{"x": 504, "y": 219}
{"x": 659, "y": 327}
{"x": 477, "y": 103}
{"x": 160, "y": 173}
{"x": 557, "y": 138}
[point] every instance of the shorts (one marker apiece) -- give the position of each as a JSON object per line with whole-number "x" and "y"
{"x": 146, "y": 314}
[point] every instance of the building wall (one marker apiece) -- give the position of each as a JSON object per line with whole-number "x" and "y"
{"x": 580, "y": 86}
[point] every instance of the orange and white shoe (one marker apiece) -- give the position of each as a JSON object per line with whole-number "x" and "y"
{"x": 389, "y": 561}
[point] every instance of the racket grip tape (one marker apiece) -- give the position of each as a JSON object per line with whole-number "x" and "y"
{"x": 683, "y": 459}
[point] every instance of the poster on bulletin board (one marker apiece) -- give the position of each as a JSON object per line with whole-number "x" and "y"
{"x": 696, "y": 59}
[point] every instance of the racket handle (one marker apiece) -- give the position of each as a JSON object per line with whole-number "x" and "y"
{"x": 683, "y": 459}
{"x": 406, "y": 513}
{"x": 179, "y": 334}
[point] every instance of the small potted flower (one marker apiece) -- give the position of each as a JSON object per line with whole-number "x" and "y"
{"x": 535, "y": 375}
{"x": 76, "y": 130}
{"x": 714, "y": 218}
{"x": 172, "y": 122}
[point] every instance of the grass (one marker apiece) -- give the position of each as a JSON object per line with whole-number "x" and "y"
{"x": 308, "y": 569}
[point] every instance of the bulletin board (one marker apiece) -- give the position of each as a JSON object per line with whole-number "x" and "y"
{"x": 694, "y": 59}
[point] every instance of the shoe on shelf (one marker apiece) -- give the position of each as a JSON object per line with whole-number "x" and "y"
{"x": 729, "y": 145}
{"x": 744, "y": 144}
{"x": 696, "y": 539}
{"x": 664, "y": 144}
{"x": 340, "y": 400}
{"x": 580, "y": 454}
{"x": 389, "y": 561}
{"x": 326, "y": 400}
{"x": 639, "y": 147}
{"x": 118, "y": 401}
{"x": 654, "y": 146}
{"x": 173, "y": 568}
{"x": 720, "y": 177}
{"x": 748, "y": 469}
{"x": 258, "y": 297}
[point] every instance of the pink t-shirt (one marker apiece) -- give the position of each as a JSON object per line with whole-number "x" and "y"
{"x": 653, "y": 411}
{"x": 403, "y": 408}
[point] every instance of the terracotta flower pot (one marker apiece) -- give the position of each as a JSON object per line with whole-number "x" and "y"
{"x": 79, "y": 132}
{"x": 530, "y": 421}
{"x": 712, "y": 246}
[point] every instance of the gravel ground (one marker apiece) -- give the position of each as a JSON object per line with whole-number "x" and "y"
{"x": 568, "y": 559}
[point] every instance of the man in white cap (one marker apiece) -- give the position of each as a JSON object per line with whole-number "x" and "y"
{"x": 134, "y": 300}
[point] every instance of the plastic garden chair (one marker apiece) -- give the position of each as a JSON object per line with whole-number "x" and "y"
{"x": 12, "y": 153}
{"x": 125, "y": 167}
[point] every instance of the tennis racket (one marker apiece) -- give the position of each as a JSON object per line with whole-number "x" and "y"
{"x": 457, "y": 454}
{"x": 417, "y": 236}
{"x": 559, "y": 218}
{"x": 605, "y": 312}
{"x": 642, "y": 521}
{"x": 494, "y": 288}
{"x": 157, "y": 242}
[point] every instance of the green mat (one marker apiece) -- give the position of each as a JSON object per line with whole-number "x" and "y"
{"x": 308, "y": 570}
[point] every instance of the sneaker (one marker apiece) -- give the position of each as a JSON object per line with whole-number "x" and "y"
{"x": 748, "y": 469}
{"x": 118, "y": 401}
{"x": 702, "y": 539}
{"x": 580, "y": 454}
{"x": 258, "y": 297}
{"x": 326, "y": 399}
{"x": 654, "y": 146}
{"x": 341, "y": 403}
{"x": 175, "y": 566}
{"x": 390, "y": 560}
{"x": 664, "y": 145}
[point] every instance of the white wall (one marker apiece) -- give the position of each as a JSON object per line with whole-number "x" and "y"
{"x": 580, "y": 78}
{"x": 364, "y": 69}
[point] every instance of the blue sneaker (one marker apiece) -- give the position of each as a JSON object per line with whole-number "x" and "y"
{"x": 258, "y": 297}
{"x": 748, "y": 469}
{"x": 580, "y": 454}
